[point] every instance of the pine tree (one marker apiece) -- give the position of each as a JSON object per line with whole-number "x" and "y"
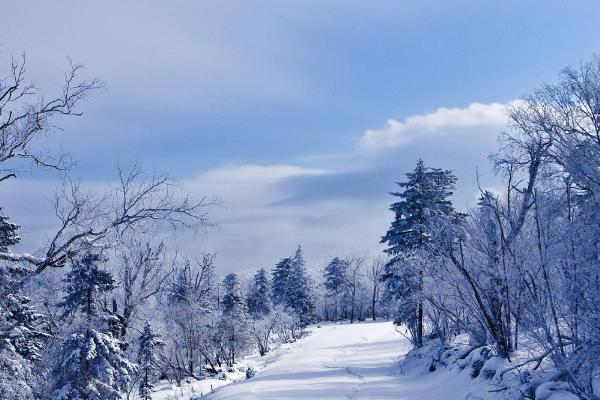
{"x": 424, "y": 199}
{"x": 232, "y": 297}
{"x": 149, "y": 345}
{"x": 27, "y": 326}
{"x": 234, "y": 324}
{"x": 300, "y": 294}
{"x": 259, "y": 296}
{"x": 8, "y": 233}
{"x": 84, "y": 284}
{"x": 92, "y": 364}
{"x": 30, "y": 329}
{"x": 180, "y": 288}
{"x": 335, "y": 277}
{"x": 24, "y": 330}
{"x": 279, "y": 284}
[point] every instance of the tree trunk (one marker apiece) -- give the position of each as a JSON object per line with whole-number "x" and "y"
{"x": 373, "y": 301}
{"x": 420, "y": 325}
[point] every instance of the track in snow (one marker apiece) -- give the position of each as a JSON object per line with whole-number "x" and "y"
{"x": 340, "y": 362}
{"x": 358, "y": 361}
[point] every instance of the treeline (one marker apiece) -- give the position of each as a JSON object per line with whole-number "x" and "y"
{"x": 523, "y": 266}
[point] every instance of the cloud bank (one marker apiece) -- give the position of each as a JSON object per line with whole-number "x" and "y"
{"x": 442, "y": 121}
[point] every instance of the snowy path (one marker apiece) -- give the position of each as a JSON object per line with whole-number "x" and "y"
{"x": 356, "y": 361}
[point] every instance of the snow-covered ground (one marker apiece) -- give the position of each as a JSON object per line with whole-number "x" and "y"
{"x": 340, "y": 361}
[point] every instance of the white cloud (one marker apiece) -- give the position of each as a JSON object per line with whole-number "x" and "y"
{"x": 441, "y": 121}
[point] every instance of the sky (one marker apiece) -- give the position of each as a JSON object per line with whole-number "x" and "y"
{"x": 299, "y": 116}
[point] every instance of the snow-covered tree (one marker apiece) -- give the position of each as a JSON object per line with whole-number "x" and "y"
{"x": 280, "y": 280}
{"x": 424, "y": 198}
{"x": 259, "y": 295}
{"x": 232, "y": 300}
{"x": 92, "y": 362}
{"x": 85, "y": 284}
{"x": 190, "y": 308}
{"x": 8, "y": 233}
{"x": 23, "y": 330}
{"x": 92, "y": 366}
{"x": 374, "y": 273}
{"x": 356, "y": 288}
{"x": 300, "y": 292}
{"x": 148, "y": 360}
{"x": 336, "y": 283}
{"x": 234, "y": 324}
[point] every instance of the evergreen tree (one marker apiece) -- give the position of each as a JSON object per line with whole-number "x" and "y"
{"x": 30, "y": 329}
{"x": 92, "y": 364}
{"x": 281, "y": 275}
{"x": 259, "y": 296}
{"x": 300, "y": 294}
{"x": 180, "y": 288}
{"x": 23, "y": 329}
{"x": 85, "y": 283}
{"x": 335, "y": 278}
{"x": 234, "y": 324}
{"x": 8, "y": 233}
{"x": 232, "y": 297}
{"x": 424, "y": 199}
{"x": 149, "y": 345}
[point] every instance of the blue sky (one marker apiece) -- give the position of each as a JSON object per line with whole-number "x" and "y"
{"x": 266, "y": 104}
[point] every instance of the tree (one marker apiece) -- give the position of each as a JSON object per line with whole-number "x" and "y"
{"x": 259, "y": 295}
{"x": 137, "y": 203}
{"x": 23, "y": 330}
{"x": 424, "y": 199}
{"x": 85, "y": 283}
{"x": 232, "y": 298}
{"x": 27, "y": 114}
{"x": 336, "y": 282}
{"x": 234, "y": 322}
{"x": 280, "y": 281}
{"x": 142, "y": 277}
{"x": 22, "y": 325}
{"x": 190, "y": 307}
{"x": 8, "y": 233}
{"x": 92, "y": 363}
{"x": 148, "y": 360}
{"x": 374, "y": 273}
{"x": 355, "y": 286}
{"x": 299, "y": 293}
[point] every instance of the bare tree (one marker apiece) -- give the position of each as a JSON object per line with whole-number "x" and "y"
{"x": 26, "y": 114}
{"x": 374, "y": 274}
{"x": 136, "y": 203}
{"x": 190, "y": 311}
{"x": 354, "y": 281}
{"x": 143, "y": 272}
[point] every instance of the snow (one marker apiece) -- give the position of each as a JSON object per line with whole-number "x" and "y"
{"x": 339, "y": 361}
